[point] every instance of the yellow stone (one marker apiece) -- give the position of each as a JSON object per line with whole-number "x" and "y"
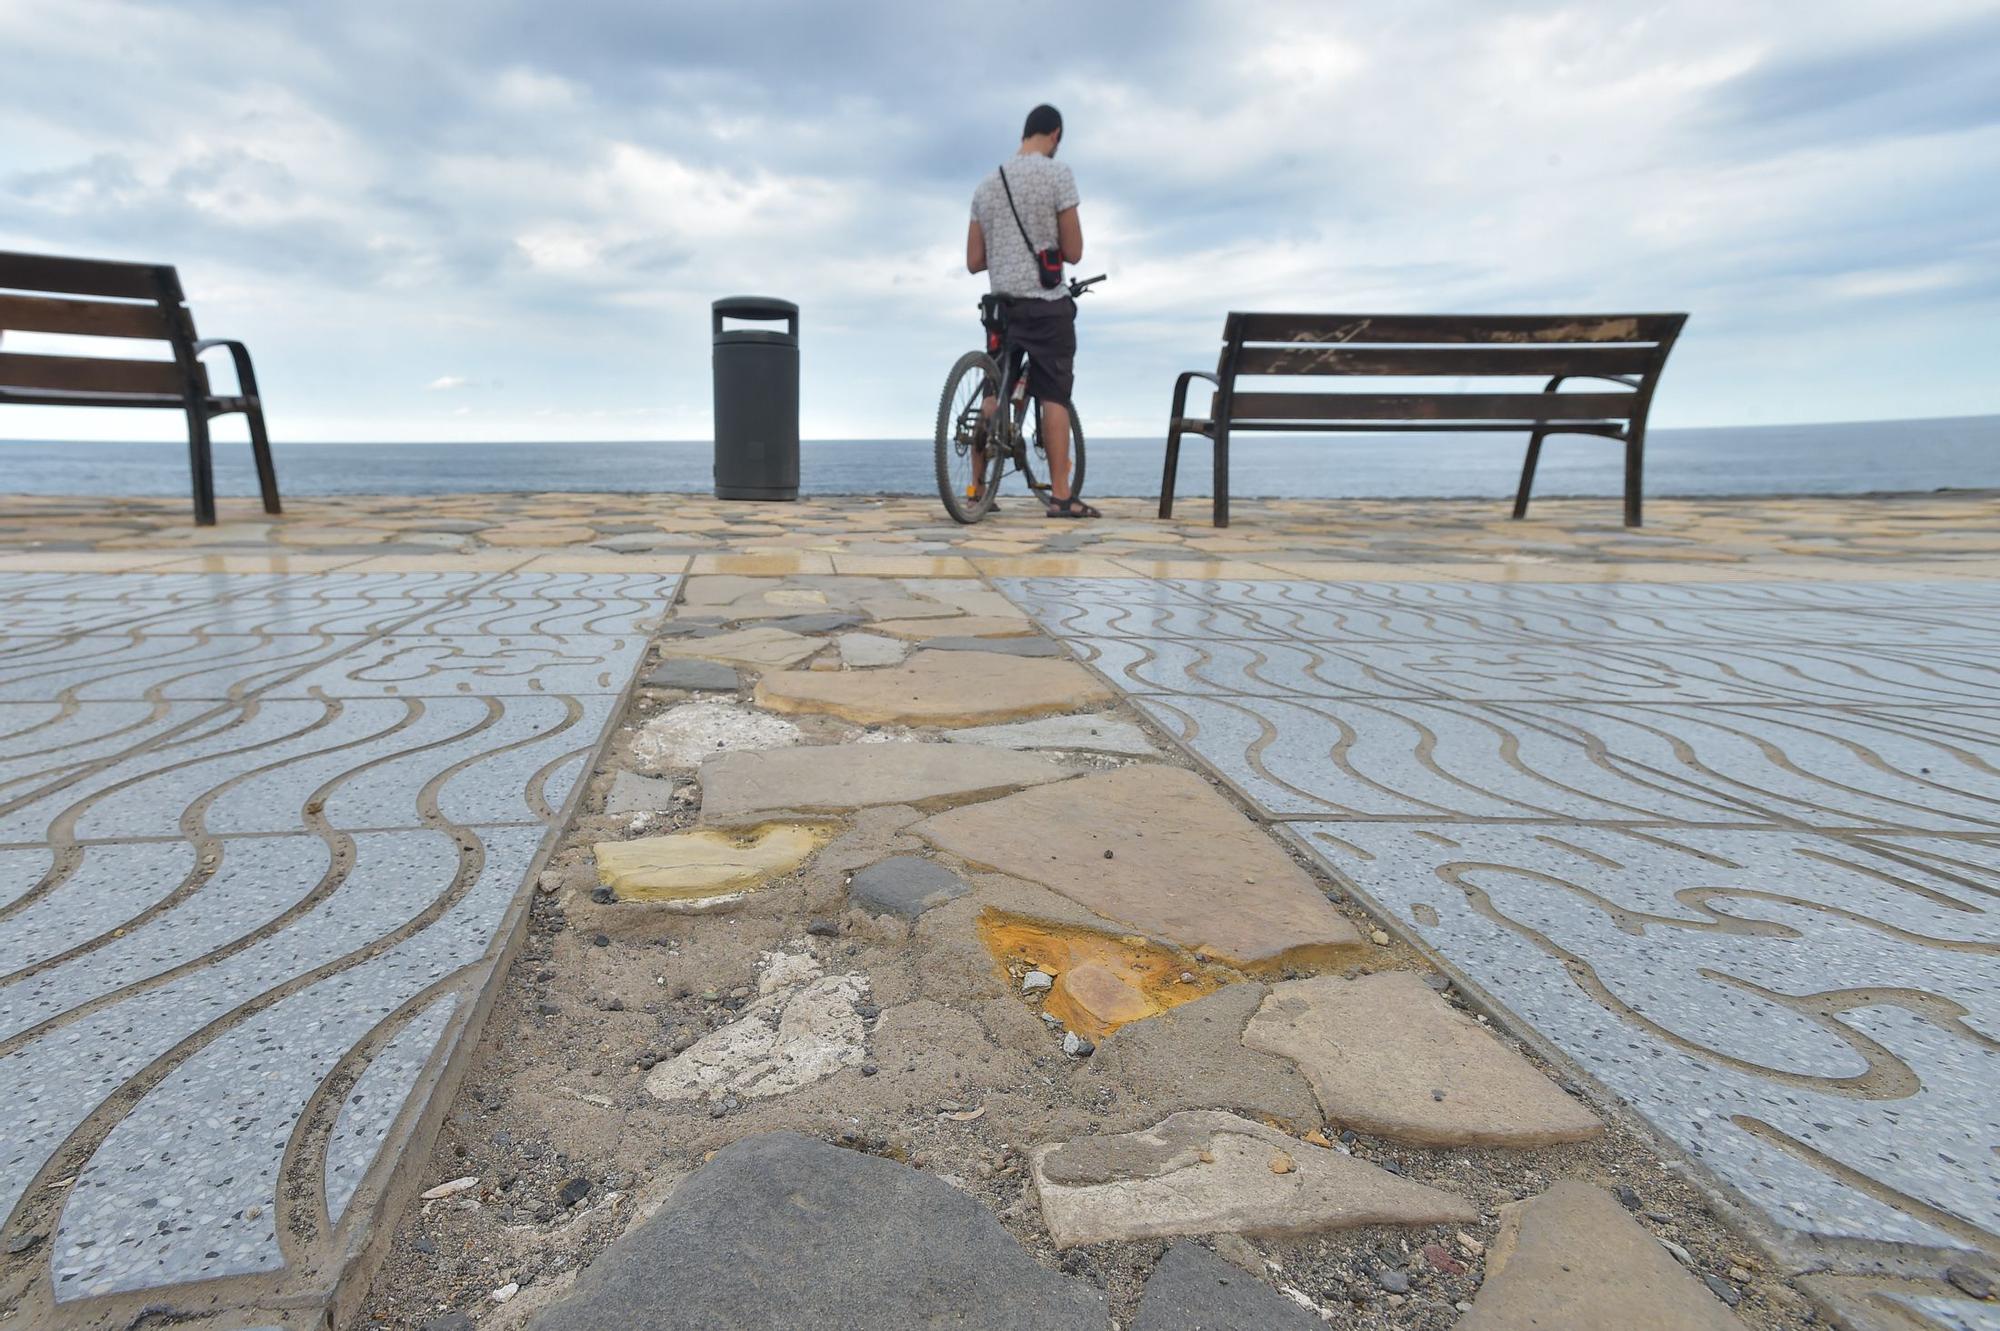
{"x": 1102, "y": 981}
{"x": 705, "y": 869}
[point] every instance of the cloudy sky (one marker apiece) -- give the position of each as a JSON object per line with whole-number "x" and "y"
{"x": 503, "y": 219}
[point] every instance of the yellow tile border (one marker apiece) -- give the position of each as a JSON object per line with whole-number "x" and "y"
{"x": 904, "y": 566}
{"x": 86, "y": 561}
{"x": 261, "y": 563}
{"x": 753, "y": 566}
{"x": 1051, "y": 566}
{"x": 1196, "y": 568}
{"x": 661, "y": 564}
{"x": 477, "y": 561}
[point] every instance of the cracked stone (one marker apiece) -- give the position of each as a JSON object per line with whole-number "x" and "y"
{"x": 705, "y": 869}
{"x": 1190, "y": 870}
{"x": 937, "y": 688}
{"x": 1083, "y": 733}
{"x": 688, "y": 735}
{"x": 754, "y": 787}
{"x": 1204, "y": 1172}
{"x": 761, "y": 648}
{"x": 1387, "y": 1056}
{"x": 826, "y": 621}
{"x": 789, "y": 1037}
{"x": 1573, "y": 1257}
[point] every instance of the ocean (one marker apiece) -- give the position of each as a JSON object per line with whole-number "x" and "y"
{"x": 1848, "y": 458}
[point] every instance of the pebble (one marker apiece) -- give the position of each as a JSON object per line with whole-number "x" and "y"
{"x": 1107, "y": 855}
{"x": 1739, "y": 1275}
{"x": 573, "y": 1192}
{"x": 603, "y": 896}
{"x": 1035, "y": 982}
{"x": 506, "y": 1291}
{"x": 547, "y": 1009}
{"x": 1723, "y": 1290}
{"x": 823, "y": 929}
{"x": 1972, "y": 1282}
{"x": 1076, "y": 1046}
{"x": 1468, "y": 1245}
{"x": 869, "y": 1069}
{"x": 1437, "y": 982}
{"x": 20, "y": 1243}
{"x": 447, "y": 1189}
{"x": 1627, "y": 1198}
{"x": 1441, "y": 1259}
{"x": 602, "y": 940}
{"x": 1379, "y": 938}
{"x": 1680, "y": 1253}
{"x": 1393, "y": 1280}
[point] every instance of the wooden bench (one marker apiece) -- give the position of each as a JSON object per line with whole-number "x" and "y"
{"x": 1626, "y": 349}
{"x": 95, "y": 298}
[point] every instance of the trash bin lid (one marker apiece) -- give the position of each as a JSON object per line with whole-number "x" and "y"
{"x": 756, "y": 307}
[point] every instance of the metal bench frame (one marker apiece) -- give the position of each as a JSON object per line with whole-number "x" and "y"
{"x": 1626, "y": 349}
{"x": 101, "y": 298}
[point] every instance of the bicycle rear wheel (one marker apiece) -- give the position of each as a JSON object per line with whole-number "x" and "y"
{"x": 1037, "y": 465}
{"x": 968, "y": 471}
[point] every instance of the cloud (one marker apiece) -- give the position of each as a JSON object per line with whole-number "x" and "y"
{"x": 447, "y": 383}
{"x": 550, "y": 195}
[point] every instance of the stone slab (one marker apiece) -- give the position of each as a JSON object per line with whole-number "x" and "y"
{"x": 834, "y": 778}
{"x": 1573, "y": 1257}
{"x": 906, "y": 885}
{"x": 759, "y": 648}
{"x": 1206, "y": 1172}
{"x": 937, "y": 689}
{"x": 862, "y": 651}
{"x": 789, "y": 1234}
{"x": 1086, "y": 732}
{"x": 963, "y": 626}
{"x": 1194, "y": 1290}
{"x": 827, "y": 621}
{"x": 1388, "y": 1056}
{"x": 632, "y": 793}
{"x": 704, "y": 869}
{"x": 694, "y": 676}
{"x": 1185, "y": 866}
{"x": 1001, "y": 646}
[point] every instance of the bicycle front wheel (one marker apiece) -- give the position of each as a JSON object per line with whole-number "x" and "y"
{"x": 968, "y": 466}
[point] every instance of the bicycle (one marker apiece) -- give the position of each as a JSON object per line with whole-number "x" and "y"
{"x": 975, "y": 446}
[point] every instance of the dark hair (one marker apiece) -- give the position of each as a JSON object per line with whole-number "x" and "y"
{"x": 1044, "y": 119}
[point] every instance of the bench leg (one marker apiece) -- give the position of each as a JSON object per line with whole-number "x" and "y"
{"x": 1635, "y": 473}
{"x": 1221, "y": 474}
{"x": 1528, "y": 474}
{"x": 1172, "y": 469}
{"x": 260, "y": 448}
{"x": 202, "y": 467}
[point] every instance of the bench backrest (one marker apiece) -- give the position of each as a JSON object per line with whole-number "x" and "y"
{"x": 42, "y": 293}
{"x": 1527, "y": 346}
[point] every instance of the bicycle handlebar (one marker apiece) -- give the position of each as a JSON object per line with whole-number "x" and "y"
{"x": 1078, "y": 286}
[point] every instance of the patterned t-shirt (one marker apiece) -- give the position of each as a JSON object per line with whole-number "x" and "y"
{"x": 1042, "y": 188}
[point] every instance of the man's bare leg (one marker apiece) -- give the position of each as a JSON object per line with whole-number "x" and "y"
{"x": 1055, "y": 442}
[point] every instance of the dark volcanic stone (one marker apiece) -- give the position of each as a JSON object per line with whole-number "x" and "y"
{"x": 694, "y": 676}
{"x": 824, "y": 621}
{"x": 573, "y": 1192}
{"x": 906, "y": 885}
{"x": 1194, "y": 1290}
{"x": 784, "y": 1233}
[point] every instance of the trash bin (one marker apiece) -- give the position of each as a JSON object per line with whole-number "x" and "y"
{"x": 756, "y": 401}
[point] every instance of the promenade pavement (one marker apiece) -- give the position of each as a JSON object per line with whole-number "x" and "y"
{"x": 1375, "y": 914}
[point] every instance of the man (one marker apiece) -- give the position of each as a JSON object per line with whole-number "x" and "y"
{"x": 1029, "y": 205}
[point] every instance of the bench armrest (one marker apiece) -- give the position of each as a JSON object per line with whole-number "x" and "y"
{"x": 1629, "y": 380}
{"x": 246, "y": 377}
{"x": 1181, "y": 388}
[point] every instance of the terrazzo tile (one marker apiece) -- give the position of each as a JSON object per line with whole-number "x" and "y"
{"x": 370, "y": 1106}
{"x": 440, "y": 666}
{"x": 98, "y": 668}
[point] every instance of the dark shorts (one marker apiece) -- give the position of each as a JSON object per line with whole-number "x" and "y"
{"x": 1046, "y": 331}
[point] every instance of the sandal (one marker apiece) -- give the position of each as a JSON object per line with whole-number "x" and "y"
{"x": 1071, "y": 507}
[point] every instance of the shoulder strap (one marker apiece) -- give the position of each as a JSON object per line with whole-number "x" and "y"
{"x": 1016, "y": 211}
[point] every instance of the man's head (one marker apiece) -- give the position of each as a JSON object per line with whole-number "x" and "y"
{"x": 1043, "y": 131}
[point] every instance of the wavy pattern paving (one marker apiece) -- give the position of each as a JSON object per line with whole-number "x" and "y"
{"x": 1734, "y": 848}
{"x": 260, "y": 836}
